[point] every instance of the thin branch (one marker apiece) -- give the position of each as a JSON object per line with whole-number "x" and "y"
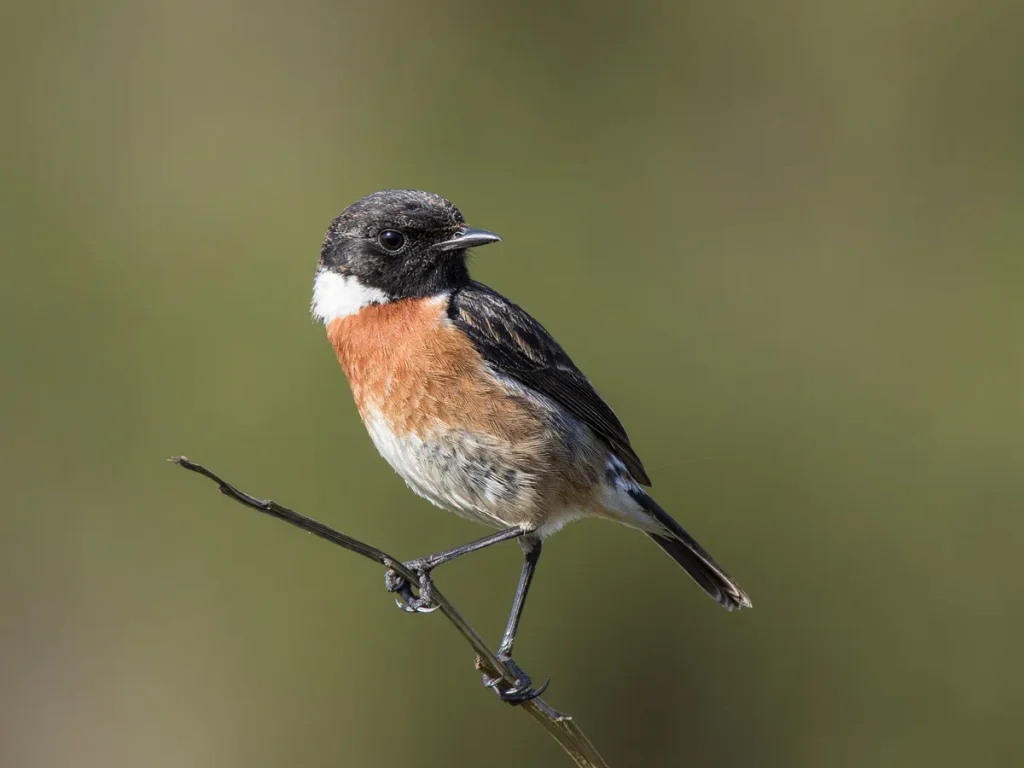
{"x": 561, "y": 726}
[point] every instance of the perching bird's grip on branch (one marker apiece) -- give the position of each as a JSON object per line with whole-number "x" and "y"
{"x": 559, "y": 725}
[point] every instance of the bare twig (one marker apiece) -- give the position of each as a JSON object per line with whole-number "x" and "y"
{"x": 561, "y": 726}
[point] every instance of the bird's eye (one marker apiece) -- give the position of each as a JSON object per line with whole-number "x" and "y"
{"x": 391, "y": 240}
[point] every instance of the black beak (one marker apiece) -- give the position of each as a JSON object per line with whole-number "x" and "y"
{"x": 468, "y": 238}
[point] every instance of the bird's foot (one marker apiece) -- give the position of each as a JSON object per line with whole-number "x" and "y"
{"x": 519, "y": 691}
{"x": 404, "y": 598}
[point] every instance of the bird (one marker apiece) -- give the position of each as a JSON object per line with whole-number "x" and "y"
{"x": 474, "y": 404}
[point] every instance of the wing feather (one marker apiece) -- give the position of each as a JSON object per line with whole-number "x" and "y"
{"x": 517, "y": 346}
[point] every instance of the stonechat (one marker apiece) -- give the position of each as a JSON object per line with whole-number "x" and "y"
{"x": 473, "y": 403}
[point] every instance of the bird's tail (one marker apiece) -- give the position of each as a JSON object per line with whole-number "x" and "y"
{"x": 684, "y": 549}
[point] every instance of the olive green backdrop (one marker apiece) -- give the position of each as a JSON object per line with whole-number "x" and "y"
{"x": 784, "y": 240}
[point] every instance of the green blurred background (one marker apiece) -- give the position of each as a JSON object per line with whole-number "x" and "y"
{"x": 785, "y": 241}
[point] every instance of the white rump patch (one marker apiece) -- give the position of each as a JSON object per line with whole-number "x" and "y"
{"x": 336, "y": 296}
{"x": 622, "y": 479}
{"x": 618, "y": 501}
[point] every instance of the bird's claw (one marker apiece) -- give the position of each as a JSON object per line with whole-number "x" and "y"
{"x": 519, "y": 691}
{"x": 404, "y": 598}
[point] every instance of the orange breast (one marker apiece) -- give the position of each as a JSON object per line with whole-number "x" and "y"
{"x": 406, "y": 362}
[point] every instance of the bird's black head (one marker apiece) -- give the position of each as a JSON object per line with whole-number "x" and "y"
{"x": 391, "y": 245}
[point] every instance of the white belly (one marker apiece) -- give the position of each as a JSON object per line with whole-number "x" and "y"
{"x": 463, "y": 473}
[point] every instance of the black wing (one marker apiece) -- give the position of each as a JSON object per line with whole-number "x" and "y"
{"x": 517, "y": 346}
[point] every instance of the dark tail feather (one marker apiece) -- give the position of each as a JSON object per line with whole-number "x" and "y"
{"x": 684, "y": 549}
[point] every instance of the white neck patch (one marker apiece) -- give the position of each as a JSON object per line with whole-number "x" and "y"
{"x": 336, "y": 296}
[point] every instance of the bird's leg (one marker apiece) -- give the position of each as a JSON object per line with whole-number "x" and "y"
{"x": 522, "y": 689}
{"x": 406, "y": 600}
